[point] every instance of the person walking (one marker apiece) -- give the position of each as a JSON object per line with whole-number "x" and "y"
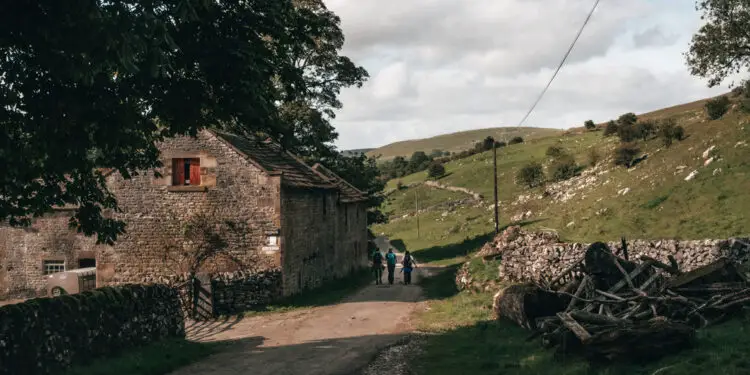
{"x": 409, "y": 265}
{"x": 391, "y": 262}
{"x": 377, "y": 266}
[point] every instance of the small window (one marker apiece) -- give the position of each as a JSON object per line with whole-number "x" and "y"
{"x": 273, "y": 241}
{"x": 53, "y": 266}
{"x": 186, "y": 172}
{"x": 86, "y": 262}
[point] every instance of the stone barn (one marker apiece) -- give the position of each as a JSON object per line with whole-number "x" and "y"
{"x": 223, "y": 205}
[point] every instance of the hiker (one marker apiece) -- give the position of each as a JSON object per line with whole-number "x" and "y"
{"x": 377, "y": 266}
{"x": 409, "y": 265}
{"x": 391, "y": 261}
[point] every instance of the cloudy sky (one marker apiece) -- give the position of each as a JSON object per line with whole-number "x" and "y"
{"x": 439, "y": 66}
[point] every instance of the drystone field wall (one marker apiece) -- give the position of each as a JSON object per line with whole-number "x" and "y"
{"x": 528, "y": 256}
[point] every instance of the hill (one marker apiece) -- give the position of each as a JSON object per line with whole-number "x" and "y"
{"x": 651, "y": 200}
{"x": 455, "y": 142}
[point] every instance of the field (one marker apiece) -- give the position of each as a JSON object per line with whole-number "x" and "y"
{"x": 456, "y": 142}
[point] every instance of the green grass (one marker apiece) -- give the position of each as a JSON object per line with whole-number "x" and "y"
{"x": 329, "y": 293}
{"x": 464, "y": 339}
{"x": 456, "y": 142}
{"x": 404, "y": 201}
{"x": 659, "y": 203}
{"x": 155, "y": 359}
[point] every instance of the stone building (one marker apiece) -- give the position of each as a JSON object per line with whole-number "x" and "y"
{"x": 269, "y": 211}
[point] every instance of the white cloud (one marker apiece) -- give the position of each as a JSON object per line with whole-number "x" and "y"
{"x": 439, "y": 66}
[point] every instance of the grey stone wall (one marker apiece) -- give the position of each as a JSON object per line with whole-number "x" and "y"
{"x": 317, "y": 244}
{"x": 232, "y": 190}
{"x": 527, "y": 256}
{"x": 235, "y": 292}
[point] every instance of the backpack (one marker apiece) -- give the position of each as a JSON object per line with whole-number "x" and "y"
{"x": 407, "y": 261}
{"x": 377, "y": 257}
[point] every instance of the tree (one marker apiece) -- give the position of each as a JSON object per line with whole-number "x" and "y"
{"x": 721, "y": 47}
{"x": 515, "y": 140}
{"x": 626, "y": 154}
{"x": 645, "y": 129}
{"x": 96, "y": 85}
{"x": 563, "y": 168}
{"x": 435, "y": 170}
{"x": 530, "y": 175}
{"x": 589, "y": 124}
{"x": 627, "y": 132}
{"x": 418, "y": 162}
{"x": 717, "y": 107}
{"x": 610, "y": 129}
{"x": 670, "y": 131}
{"x": 363, "y": 173}
{"x": 436, "y": 154}
{"x": 627, "y": 119}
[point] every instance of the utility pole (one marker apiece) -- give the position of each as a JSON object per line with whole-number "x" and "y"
{"x": 494, "y": 169}
{"x": 416, "y": 205}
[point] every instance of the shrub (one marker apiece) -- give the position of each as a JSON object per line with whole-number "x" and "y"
{"x": 627, "y": 119}
{"x": 555, "y": 151}
{"x": 716, "y": 108}
{"x": 645, "y": 129}
{"x": 531, "y": 175}
{"x": 610, "y": 129}
{"x": 399, "y": 185}
{"x": 626, "y": 154}
{"x": 670, "y": 131}
{"x": 627, "y": 133}
{"x": 516, "y": 140}
{"x": 589, "y": 124}
{"x": 436, "y": 170}
{"x": 47, "y": 335}
{"x": 594, "y": 157}
{"x": 499, "y": 144}
{"x": 563, "y": 168}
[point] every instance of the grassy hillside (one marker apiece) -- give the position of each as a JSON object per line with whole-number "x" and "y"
{"x": 456, "y": 142}
{"x": 651, "y": 200}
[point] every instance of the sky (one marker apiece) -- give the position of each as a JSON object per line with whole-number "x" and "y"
{"x": 440, "y": 66}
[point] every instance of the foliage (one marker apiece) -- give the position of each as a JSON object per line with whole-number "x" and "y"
{"x": 46, "y": 335}
{"x": 610, "y": 129}
{"x": 98, "y": 84}
{"x": 627, "y": 132}
{"x": 717, "y": 107}
{"x": 669, "y": 131}
{"x": 627, "y": 119}
{"x": 530, "y": 175}
{"x": 563, "y": 168}
{"x": 555, "y": 151}
{"x": 363, "y": 173}
{"x": 436, "y": 170}
{"x": 625, "y": 154}
{"x": 594, "y": 156}
{"x": 721, "y": 47}
{"x": 438, "y": 153}
{"x": 515, "y": 140}
{"x": 645, "y": 129}
{"x": 589, "y": 124}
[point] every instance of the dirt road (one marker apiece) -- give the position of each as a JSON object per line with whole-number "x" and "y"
{"x": 337, "y": 339}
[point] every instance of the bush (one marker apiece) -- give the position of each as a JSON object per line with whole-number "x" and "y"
{"x": 645, "y": 129}
{"x": 716, "y": 108}
{"x": 399, "y": 185}
{"x": 626, "y": 154}
{"x": 589, "y": 124}
{"x": 563, "y": 168}
{"x": 594, "y": 157}
{"x": 516, "y": 140}
{"x": 610, "y": 129}
{"x": 555, "y": 151}
{"x": 669, "y": 131}
{"x": 436, "y": 170}
{"x": 47, "y": 335}
{"x": 627, "y": 133}
{"x": 627, "y": 119}
{"x": 531, "y": 175}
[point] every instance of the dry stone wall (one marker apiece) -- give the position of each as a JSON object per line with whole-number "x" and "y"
{"x": 240, "y": 291}
{"x": 47, "y": 335}
{"x": 528, "y": 256}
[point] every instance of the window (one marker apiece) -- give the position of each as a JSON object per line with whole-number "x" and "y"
{"x": 273, "y": 241}
{"x": 52, "y": 266}
{"x": 86, "y": 262}
{"x": 186, "y": 172}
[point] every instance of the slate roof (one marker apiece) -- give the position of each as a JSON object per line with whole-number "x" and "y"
{"x": 349, "y": 193}
{"x": 270, "y": 157}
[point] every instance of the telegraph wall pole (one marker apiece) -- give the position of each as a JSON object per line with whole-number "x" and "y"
{"x": 416, "y": 205}
{"x": 494, "y": 169}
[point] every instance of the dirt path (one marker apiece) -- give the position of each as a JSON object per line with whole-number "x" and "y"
{"x": 337, "y": 339}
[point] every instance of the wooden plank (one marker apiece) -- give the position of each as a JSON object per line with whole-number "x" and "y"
{"x": 641, "y": 267}
{"x": 574, "y": 327}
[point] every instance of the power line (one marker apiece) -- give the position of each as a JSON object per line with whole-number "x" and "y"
{"x": 539, "y": 98}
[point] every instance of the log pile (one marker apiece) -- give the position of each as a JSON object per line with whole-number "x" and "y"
{"x": 615, "y": 308}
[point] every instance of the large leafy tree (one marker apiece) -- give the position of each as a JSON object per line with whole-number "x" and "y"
{"x": 93, "y": 84}
{"x": 721, "y": 47}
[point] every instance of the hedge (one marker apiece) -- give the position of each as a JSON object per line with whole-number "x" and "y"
{"x": 47, "y": 335}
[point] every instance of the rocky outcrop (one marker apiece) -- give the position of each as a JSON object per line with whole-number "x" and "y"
{"x": 529, "y": 256}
